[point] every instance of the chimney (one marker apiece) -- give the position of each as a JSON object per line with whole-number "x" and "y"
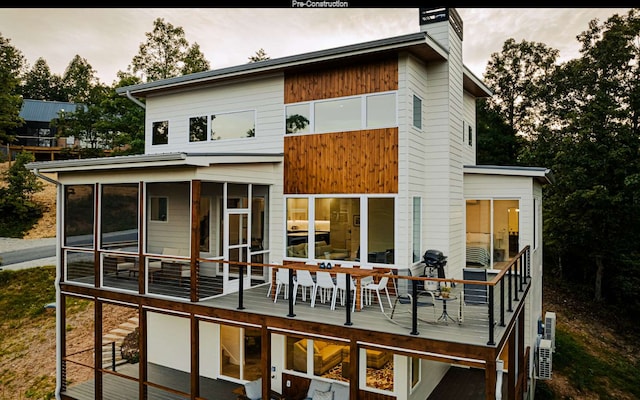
{"x": 437, "y": 21}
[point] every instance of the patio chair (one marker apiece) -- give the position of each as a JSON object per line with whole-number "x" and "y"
{"x": 341, "y": 281}
{"x": 305, "y": 281}
{"x": 425, "y": 293}
{"x": 282, "y": 280}
{"x": 324, "y": 282}
{"x": 378, "y": 287}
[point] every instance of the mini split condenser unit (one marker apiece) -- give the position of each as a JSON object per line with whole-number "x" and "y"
{"x": 544, "y": 359}
{"x": 550, "y": 328}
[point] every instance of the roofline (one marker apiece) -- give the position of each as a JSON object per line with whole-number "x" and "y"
{"x": 543, "y": 175}
{"x": 278, "y": 64}
{"x": 475, "y": 84}
{"x": 151, "y": 160}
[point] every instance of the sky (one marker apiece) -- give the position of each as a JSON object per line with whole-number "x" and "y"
{"x": 109, "y": 38}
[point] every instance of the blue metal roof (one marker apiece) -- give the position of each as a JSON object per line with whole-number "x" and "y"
{"x": 44, "y": 111}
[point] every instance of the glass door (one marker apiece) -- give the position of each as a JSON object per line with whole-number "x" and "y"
{"x": 237, "y": 249}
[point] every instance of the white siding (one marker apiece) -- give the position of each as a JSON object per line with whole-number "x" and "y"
{"x": 170, "y": 342}
{"x": 524, "y": 189}
{"x": 265, "y": 96}
{"x": 469, "y": 152}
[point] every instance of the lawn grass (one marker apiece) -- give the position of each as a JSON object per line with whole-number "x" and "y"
{"x": 606, "y": 375}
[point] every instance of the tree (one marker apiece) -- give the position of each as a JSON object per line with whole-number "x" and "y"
{"x": 496, "y": 142}
{"x": 166, "y": 54}
{"x": 592, "y": 212}
{"x": 79, "y": 79}
{"x": 517, "y": 76}
{"x": 18, "y": 212}
{"x": 11, "y": 67}
{"x": 41, "y": 84}
{"x": 194, "y": 61}
{"x": 260, "y": 55}
{"x": 122, "y": 121}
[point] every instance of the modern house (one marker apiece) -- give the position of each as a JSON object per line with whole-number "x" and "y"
{"x": 256, "y": 176}
{"x": 37, "y": 135}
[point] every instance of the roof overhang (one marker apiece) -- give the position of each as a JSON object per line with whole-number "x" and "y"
{"x": 152, "y": 160}
{"x": 542, "y": 175}
{"x": 419, "y": 44}
{"x": 474, "y": 85}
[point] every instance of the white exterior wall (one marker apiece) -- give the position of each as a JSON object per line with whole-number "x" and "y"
{"x": 169, "y": 341}
{"x": 443, "y": 205}
{"x": 469, "y": 117}
{"x": 479, "y": 186}
{"x": 265, "y": 96}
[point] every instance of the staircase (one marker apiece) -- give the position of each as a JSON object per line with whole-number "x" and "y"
{"x": 116, "y": 335}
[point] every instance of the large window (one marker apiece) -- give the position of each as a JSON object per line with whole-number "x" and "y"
{"x": 376, "y": 110}
{"x": 233, "y": 125}
{"x": 492, "y": 232}
{"x": 119, "y": 219}
{"x": 381, "y": 238}
{"x": 340, "y": 229}
{"x": 79, "y": 215}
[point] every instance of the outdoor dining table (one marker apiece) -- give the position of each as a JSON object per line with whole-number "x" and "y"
{"x": 356, "y": 272}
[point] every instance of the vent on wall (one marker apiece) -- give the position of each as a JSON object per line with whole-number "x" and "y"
{"x": 544, "y": 359}
{"x": 550, "y": 328}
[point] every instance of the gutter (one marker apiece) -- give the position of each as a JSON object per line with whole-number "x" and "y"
{"x": 46, "y": 178}
{"x": 138, "y": 102}
{"x": 58, "y": 302}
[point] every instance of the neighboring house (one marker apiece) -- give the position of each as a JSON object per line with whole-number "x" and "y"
{"x": 362, "y": 156}
{"x": 36, "y": 135}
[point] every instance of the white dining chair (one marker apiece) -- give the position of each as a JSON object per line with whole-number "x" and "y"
{"x": 304, "y": 280}
{"x": 365, "y": 281}
{"x": 341, "y": 280}
{"x": 378, "y": 287}
{"x": 282, "y": 280}
{"x": 324, "y": 283}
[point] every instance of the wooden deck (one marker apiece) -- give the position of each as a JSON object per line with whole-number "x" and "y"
{"x": 457, "y": 384}
{"x": 474, "y": 328}
{"x": 122, "y": 388}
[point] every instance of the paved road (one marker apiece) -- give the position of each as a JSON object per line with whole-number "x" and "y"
{"x": 26, "y": 253}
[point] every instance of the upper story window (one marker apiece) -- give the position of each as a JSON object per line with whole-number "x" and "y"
{"x": 197, "y": 129}
{"x": 417, "y": 112}
{"x": 376, "y": 110}
{"x": 232, "y": 125}
{"x": 160, "y": 132}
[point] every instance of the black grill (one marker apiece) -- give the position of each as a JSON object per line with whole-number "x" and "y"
{"x": 435, "y": 259}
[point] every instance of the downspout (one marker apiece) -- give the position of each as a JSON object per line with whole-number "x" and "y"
{"x": 57, "y": 280}
{"x": 138, "y": 102}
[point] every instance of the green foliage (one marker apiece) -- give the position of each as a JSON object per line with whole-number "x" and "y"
{"x": 18, "y": 212}
{"x": 496, "y": 142}
{"x": 260, "y": 55}
{"x": 24, "y": 293}
{"x": 11, "y": 65}
{"x": 166, "y": 54}
{"x": 41, "y": 84}
{"x": 589, "y": 372}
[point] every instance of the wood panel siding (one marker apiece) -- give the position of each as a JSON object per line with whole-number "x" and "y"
{"x": 378, "y": 76}
{"x": 342, "y": 162}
